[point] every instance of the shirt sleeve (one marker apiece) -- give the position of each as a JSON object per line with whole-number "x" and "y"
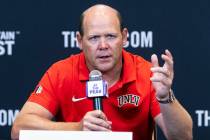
{"x": 45, "y": 92}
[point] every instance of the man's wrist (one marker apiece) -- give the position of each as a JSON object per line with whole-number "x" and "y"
{"x": 169, "y": 99}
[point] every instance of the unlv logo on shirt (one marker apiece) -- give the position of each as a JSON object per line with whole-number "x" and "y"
{"x": 128, "y": 99}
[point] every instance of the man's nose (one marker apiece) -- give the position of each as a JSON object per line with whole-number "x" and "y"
{"x": 103, "y": 43}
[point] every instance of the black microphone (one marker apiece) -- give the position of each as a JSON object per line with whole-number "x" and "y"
{"x": 96, "y": 89}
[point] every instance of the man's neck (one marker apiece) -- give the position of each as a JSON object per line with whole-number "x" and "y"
{"x": 113, "y": 76}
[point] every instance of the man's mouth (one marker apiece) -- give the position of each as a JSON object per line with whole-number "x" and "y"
{"x": 104, "y": 57}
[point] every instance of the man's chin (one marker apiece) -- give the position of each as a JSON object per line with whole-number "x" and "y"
{"x": 104, "y": 68}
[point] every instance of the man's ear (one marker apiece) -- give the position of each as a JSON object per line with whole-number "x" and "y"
{"x": 125, "y": 36}
{"x": 79, "y": 40}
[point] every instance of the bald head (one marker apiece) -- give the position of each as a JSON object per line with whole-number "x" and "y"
{"x": 98, "y": 10}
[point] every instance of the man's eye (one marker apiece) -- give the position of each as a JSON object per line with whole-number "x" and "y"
{"x": 110, "y": 36}
{"x": 93, "y": 38}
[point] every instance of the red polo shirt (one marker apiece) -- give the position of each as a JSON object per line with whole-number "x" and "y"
{"x": 131, "y": 105}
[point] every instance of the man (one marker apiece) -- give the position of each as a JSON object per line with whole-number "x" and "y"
{"x": 138, "y": 92}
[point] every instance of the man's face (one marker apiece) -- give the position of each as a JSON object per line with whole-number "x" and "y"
{"x": 102, "y": 41}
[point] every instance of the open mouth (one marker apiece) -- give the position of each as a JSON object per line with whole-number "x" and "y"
{"x": 104, "y": 57}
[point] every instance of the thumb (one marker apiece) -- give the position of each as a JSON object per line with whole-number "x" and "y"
{"x": 154, "y": 60}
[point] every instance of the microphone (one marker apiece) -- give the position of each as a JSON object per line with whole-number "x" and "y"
{"x": 96, "y": 88}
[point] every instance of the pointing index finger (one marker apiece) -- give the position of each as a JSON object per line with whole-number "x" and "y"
{"x": 154, "y": 60}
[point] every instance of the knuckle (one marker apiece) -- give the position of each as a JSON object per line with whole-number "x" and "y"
{"x": 101, "y": 123}
{"x": 170, "y": 82}
{"x": 85, "y": 117}
{"x": 100, "y": 113}
{"x": 168, "y": 73}
{"x": 85, "y": 124}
